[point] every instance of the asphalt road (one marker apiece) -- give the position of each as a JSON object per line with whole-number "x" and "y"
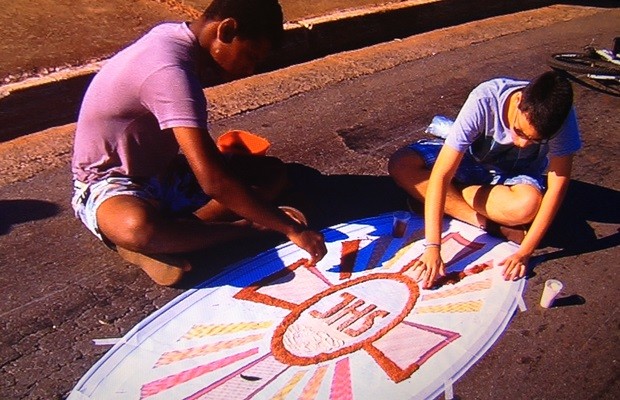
{"x": 337, "y": 120}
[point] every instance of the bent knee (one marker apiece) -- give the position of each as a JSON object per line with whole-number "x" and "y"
{"x": 525, "y": 204}
{"x": 131, "y": 228}
{"x": 405, "y": 165}
{"x": 138, "y": 235}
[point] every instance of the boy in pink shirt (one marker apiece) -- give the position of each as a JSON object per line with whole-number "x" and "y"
{"x": 132, "y": 188}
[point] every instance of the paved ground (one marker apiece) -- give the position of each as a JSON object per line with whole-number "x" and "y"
{"x": 61, "y": 288}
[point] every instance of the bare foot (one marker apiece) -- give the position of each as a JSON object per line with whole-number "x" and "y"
{"x": 163, "y": 269}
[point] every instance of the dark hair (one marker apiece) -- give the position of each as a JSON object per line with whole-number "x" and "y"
{"x": 256, "y": 19}
{"x": 546, "y": 101}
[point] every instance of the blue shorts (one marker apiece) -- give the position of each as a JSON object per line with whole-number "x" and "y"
{"x": 177, "y": 194}
{"x": 470, "y": 171}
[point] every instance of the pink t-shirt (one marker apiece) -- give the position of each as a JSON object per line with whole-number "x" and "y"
{"x": 141, "y": 92}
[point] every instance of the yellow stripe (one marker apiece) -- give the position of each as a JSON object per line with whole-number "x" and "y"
{"x": 289, "y": 386}
{"x": 465, "y": 307}
{"x": 453, "y": 291}
{"x": 312, "y": 388}
{"x": 180, "y": 355}
{"x": 200, "y": 331}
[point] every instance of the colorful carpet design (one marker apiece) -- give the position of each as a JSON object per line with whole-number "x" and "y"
{"x": 355, "y": 326}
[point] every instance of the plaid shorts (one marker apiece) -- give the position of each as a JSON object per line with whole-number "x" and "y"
{"x": 176, "y": 194}
{"x": 470, "y": 171}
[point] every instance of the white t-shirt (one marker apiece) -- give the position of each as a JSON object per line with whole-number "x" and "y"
{"x": 480, "y": 129}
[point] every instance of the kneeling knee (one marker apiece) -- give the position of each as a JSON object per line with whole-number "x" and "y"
{"x": 135, "y": 234}
{"x": 526, "y": 205}
{"x": 404, "y": 165}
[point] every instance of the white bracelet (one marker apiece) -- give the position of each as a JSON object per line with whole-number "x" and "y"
{"x": 427, "y": 245}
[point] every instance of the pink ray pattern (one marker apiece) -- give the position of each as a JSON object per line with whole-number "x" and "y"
{"x": 341, "y": 383}
{"x": 160, "y": 385}
{"x": 245, "y": 382}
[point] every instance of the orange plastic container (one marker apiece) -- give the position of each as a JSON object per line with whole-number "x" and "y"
{"x": 242, "y": 142}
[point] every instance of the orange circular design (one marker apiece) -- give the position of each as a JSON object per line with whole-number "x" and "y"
{"x": 280, "y": 351}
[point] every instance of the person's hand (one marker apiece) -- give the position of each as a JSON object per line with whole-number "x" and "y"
{"x": 429, "y": 267}
{"x": 312, "y": 242}
{"x": 515, "y": 266}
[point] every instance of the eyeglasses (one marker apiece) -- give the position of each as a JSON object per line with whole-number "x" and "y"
{"x": 523, "y": 135}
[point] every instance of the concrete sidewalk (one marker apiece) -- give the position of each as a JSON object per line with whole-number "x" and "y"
{"x": 52, "y": 50}
{"x": 47, "y": 36}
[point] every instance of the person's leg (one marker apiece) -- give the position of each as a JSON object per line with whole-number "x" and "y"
{"x": 506, "y": 205}
{"x": 128, "y": 216}
{"x": 510, "y": 206}
{"x": 410, "y": 171}
{"x": 142, "y": 236}
{"x": 473, "y": 204}
{"x": 134, "y": 224}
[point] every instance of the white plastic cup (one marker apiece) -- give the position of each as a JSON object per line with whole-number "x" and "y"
{"x": 551, "y": 290}
{"x": 399, "y": 224}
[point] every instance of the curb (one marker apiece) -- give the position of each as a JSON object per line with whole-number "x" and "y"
{"x": 40, "y": 103}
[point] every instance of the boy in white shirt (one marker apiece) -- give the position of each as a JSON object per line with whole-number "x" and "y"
{"x": 489, "y": 171}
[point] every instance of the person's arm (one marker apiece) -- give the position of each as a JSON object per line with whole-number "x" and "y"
{"x": 443, "y": 171}
{"x": 558, "y": 179}
{"x": 215, "y": 179}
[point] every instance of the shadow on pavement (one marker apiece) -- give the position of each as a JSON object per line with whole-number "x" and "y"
{"x": 572, "y": 300}
{"x": 332, "y": 199}
{"x": 325, "y": 199}
{"x": 18, "y": 211}
{"x": 570, "y": 230}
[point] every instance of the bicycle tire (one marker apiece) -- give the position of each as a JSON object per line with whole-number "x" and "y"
{"x": 581, "y": 63}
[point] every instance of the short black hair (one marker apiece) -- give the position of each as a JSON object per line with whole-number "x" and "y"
{"x": 546, "y": 101}
{"x": 256, "y": 19}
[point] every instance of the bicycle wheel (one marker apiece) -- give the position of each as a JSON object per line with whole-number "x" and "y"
{"x": 581, "y": 63}
{"x": 607, "y": 86}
